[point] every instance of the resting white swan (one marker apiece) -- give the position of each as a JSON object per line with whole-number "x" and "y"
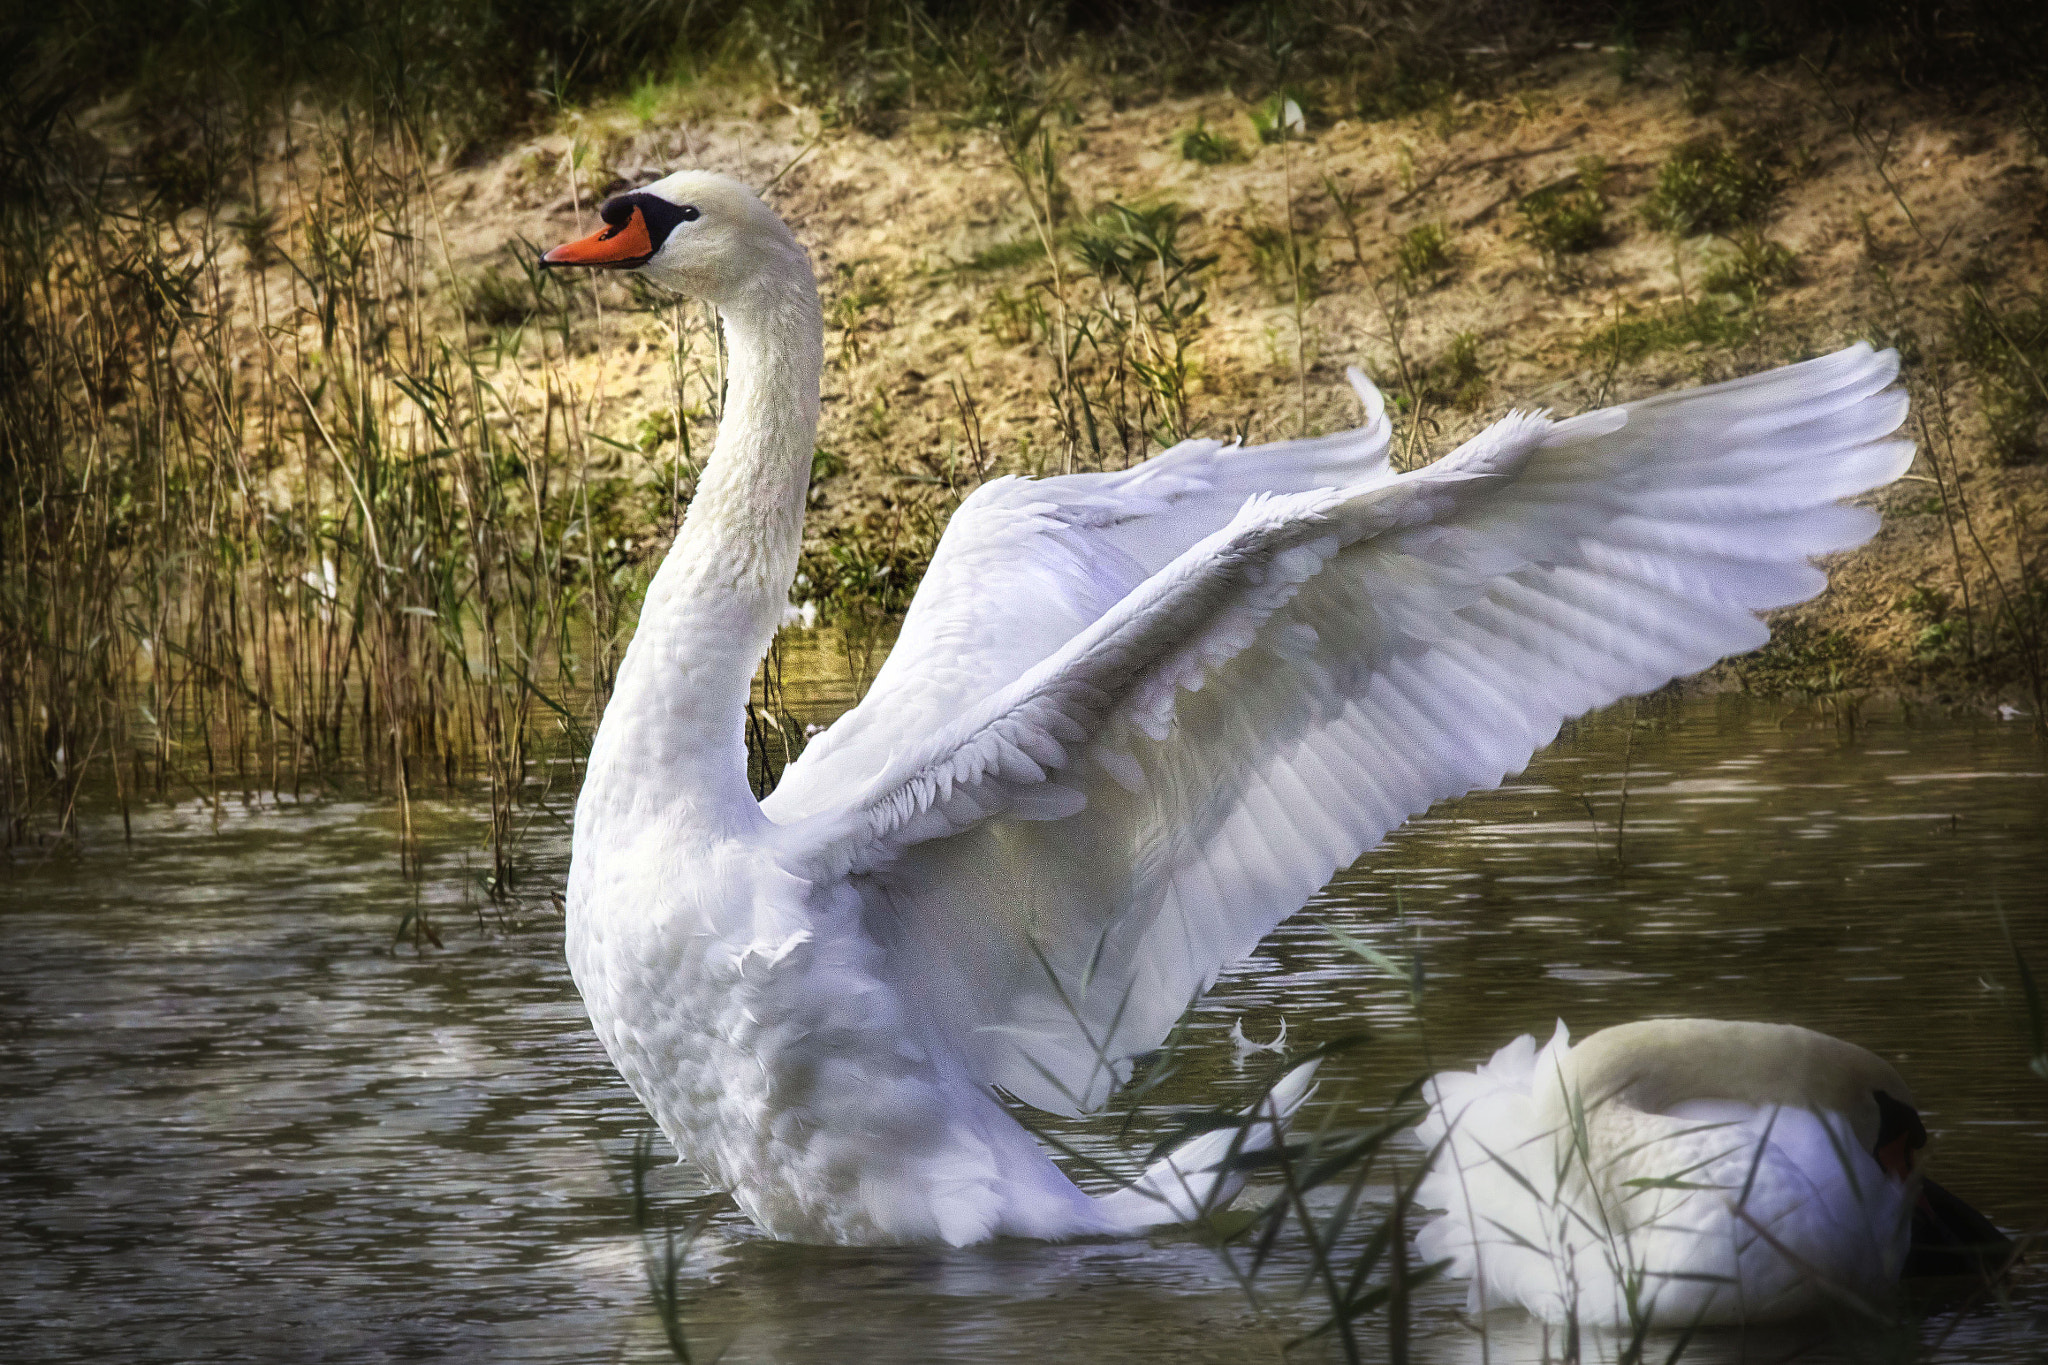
{"x": 1133, "y": 720}
{"x": 1683, "y": 1171}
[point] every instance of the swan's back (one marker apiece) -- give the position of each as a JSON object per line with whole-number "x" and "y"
{"x": 1654, "y": 1064}
{"x": 1671, "y": 1172}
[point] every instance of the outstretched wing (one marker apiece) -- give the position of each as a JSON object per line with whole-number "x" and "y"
{"x": 1027, "y": 564}
{"x": 1056, "y": 869}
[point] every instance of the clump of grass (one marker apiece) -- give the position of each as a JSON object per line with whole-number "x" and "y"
{"x": 1702, "y": 321}
{"x": 1139, "y": 332}
{"x": 1624, "y": 56}
{"x": 1423, "y": 252}
{"x": 1712, "y": 185}
{"x": 1201, "y": 144}
{"x": 2001, "y": 608}
{"x": 254, "y": 230}
{"x": 861, "y": 292}
{"x": 1942, "y": 632}
{"x": 1457, "y": 378}
{"x": 645, "y": 100}
{"x": 861, "y": 577}
{"x": 1757, "y": 267}
{"x": 1284, "y": 260}
{"x": 1016, "y": 318}
{"x": 860, "y": 570}
{"x": 1128, "y": 244}
{"x": 1567, "y": 218}
{"x": 664, "y": 1248}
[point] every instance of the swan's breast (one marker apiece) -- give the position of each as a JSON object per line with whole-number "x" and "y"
{"x": 756, "y": 1024}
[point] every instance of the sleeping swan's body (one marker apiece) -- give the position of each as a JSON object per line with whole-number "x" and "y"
{"x": 1133, "y": 720}
{"x": 1683, "y": 1171}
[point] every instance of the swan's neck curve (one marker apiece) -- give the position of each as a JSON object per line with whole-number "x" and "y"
{"x": 673, "y": 737}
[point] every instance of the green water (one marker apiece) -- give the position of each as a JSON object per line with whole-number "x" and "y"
{"x": 238, "y": 1126}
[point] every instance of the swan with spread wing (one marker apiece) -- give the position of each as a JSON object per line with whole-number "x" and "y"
{"x": 1133, "y": 720}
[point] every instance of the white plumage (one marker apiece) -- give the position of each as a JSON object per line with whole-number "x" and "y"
{"x": 1673, "y": 1172}
{"x": 1132, "y": 721}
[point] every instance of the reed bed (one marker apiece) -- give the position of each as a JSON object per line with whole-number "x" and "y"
{"x": 290, "y": 500}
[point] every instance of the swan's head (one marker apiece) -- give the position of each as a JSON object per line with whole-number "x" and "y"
{"x": 695, "y": 232}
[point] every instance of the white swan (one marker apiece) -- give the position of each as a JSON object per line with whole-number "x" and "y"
{"x": 1133, "y": 720}
{"x": 1685, "y": 1171}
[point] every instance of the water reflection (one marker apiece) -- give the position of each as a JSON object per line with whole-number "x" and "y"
{"x": 238, "y": 1125}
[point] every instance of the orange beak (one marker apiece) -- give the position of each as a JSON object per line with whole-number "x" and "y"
{"x": 609, "y": 248}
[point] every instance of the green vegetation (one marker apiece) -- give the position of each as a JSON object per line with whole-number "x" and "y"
{"x": 1423, "y": 252}
{"x": 1711, "y": 185}
{"x": 1400, "y": 83}
{"x": 1942, "y": 631}
{"x": 1129, "y": 244}
{"x": 1140, "y": 330}
{"x": 1800, "y": 661}
{"x": 1283, "y": 260}
{"x": 1007, "y": 255}
{"x": 1702, "y": 322}
{"x": 1699, "y": 89}
{"x": 859, "y": 292}
{"x": 665, "y": 1248}
{"x": 1015, "y": 319}
{"x": 1458, "y": 378}
{"x": 1757, "y": 267}
{"x": 307, "y": 544}
{"x": 2005, "y": 352}
{"x": 1209, "y": 148}
{"x": 1567, "y": 218}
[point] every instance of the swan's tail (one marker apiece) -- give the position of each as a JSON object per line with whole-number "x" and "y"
{"x": 1198, "y": 1177}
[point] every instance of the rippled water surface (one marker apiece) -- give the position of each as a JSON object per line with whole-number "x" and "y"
{"x": 239, "y": 1125}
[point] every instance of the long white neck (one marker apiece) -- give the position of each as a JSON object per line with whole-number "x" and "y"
{"x": 673, "y": 738}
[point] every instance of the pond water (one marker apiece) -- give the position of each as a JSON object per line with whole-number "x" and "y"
{"x": 240, "y": 1125}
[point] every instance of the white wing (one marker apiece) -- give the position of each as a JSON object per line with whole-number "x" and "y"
{"x": 1027, "y": 564}
{"x": 1056, "y": 867}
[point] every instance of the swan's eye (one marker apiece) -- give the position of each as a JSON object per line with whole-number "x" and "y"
{"x": 688, "y": 213}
